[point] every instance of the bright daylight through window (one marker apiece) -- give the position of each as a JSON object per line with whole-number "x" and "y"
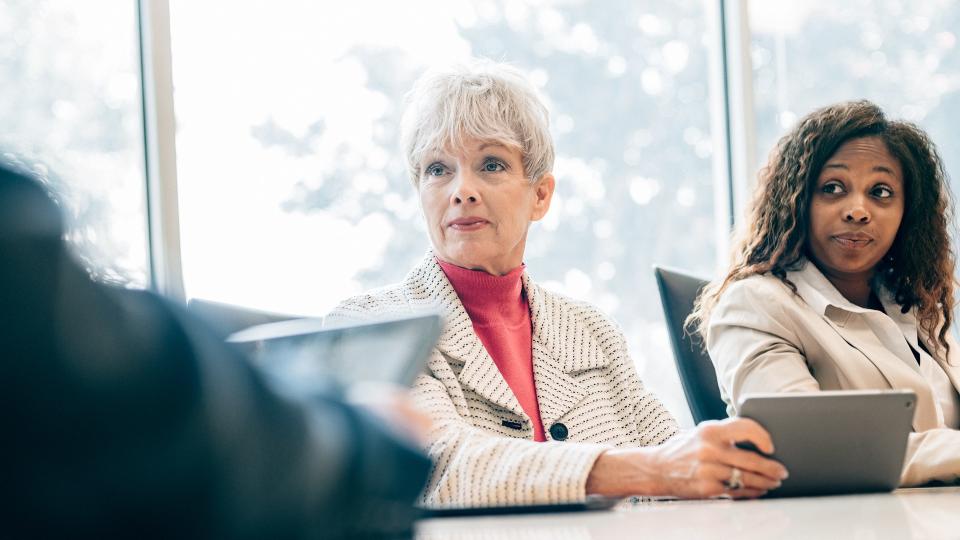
{"x": 71, "y": 112}
{"x": 904, "y": 57}
{"x": 293, "y": 192}
{"x": 295, "y": 195}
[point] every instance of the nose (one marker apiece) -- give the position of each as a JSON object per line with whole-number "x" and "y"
{"x": 857, "y": 213}
{"x": 465, "y": 189}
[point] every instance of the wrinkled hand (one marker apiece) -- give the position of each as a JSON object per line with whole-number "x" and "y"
{"x": 694, "y": 464}
{"x": 697, "y": 463}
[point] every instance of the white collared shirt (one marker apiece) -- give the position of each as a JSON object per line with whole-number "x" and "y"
{"x": 897, "y": 331}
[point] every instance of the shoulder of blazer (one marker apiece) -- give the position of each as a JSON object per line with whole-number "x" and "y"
{"x": 425, "y": 289}
{"x": 376, "y": 303}
{"x": 761, "y": 301}
{"x": 759, "y": 288}
{"x": 577, "y": 333}
{"x": 567, "y": 307}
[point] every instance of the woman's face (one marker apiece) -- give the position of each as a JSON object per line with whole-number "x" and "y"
{"x": 478, "y": 205}
{"x": 856, "y": 209}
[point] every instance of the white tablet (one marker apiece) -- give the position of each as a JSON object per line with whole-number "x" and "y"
{"x": 835, "y": 442}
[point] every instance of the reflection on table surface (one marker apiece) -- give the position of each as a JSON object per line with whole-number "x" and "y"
{"x": 905, "y": 513}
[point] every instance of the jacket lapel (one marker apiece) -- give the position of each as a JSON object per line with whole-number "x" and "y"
{"x": 426, "y": 287}
{"x": 562, "y": 347}
{"x": 820, "y": 295}
{"x": 898, "y": 373}
{"x": 562, "y": 344}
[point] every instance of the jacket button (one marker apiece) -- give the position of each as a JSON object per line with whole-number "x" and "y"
{"x": 558, "y": 432}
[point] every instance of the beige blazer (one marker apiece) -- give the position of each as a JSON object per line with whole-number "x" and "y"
{"x": 764, "y": 338}
{"x": 482, "y": 444}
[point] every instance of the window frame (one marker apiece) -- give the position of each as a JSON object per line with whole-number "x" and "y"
{"x": 160, "y": 155}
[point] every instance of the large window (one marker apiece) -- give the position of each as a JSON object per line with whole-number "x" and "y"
{"x": 71, "y": 112}
{"x": 904, "y": 56}
{"x": 292, "y": 190}
{"x": 294, "y": 194}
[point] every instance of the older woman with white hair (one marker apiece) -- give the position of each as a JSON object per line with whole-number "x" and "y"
{"x": 533, "y": 396}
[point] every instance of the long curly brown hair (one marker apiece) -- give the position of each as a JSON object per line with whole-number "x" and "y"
{"x": 918, "y": 269}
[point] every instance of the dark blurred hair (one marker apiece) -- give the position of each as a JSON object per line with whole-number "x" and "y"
{"x": 918, "y": 269}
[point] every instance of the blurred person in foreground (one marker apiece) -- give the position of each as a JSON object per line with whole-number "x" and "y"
{"x": 844, "y": 279}
{"x": 122, "y": 417}
{"x": 534, "y": 397}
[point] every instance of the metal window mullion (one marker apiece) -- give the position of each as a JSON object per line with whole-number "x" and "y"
{"x": 159, "y": 125}
{"x": 723, "y": 206}
{"x": 738, "y": 75}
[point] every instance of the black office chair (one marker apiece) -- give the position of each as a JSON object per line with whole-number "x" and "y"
{"x": 227, "y": 318}
{"x": 678, "y": 291}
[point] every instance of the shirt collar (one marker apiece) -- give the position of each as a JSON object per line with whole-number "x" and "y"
{"x": 817, "y": 291}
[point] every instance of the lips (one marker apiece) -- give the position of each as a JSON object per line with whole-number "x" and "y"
{"x": 852, "y": 240}
{"x": 469, "y": 223}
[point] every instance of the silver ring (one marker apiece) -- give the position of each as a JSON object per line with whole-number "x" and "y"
{"x": 735, "y": 481}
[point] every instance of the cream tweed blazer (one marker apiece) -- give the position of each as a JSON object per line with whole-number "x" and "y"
{"x": 482, "y": 441}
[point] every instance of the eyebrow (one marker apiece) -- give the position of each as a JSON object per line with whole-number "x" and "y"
{"x": 876, "y": 168}
{"x": 484, "y": 146}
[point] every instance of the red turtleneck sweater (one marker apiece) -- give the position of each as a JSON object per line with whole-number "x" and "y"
{"x": 497, "y": 306}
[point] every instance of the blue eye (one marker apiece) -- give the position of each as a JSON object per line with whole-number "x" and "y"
{"x": 435, "y": 170}
{"x": 493, "y": 166}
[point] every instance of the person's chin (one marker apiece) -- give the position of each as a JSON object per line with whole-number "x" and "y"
{"x": 467, "y": 254}
{"x": 852, "y": 265}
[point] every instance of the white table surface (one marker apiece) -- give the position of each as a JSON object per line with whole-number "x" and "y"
{"x": 903, "y": 514}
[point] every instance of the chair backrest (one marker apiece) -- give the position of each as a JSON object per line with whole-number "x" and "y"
{"x": 227, "y": 318}
{"x": 678, "y": 291}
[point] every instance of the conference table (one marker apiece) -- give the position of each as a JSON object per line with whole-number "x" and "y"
{"x": 903, "y": 514}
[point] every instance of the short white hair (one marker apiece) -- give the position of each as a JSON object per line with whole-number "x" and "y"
{"x": 481, "y": 99}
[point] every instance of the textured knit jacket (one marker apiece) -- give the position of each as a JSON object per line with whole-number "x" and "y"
{"x": 590, "y": 396}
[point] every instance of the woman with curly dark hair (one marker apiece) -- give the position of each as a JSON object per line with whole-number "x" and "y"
{"x": 844, "y": 277}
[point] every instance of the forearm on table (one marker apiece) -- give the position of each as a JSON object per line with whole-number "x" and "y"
{"x": 932, "y": 455}
{"x": 476, "y": 468}
{"x": 623, "y": 472}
